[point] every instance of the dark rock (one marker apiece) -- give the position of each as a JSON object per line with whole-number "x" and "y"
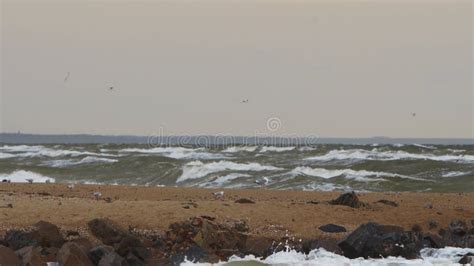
{"x": 465, "y": 260}
{"x": 472, "y": 222}
{"x": 19, "y": 239}
{"x": 49, "y": 235}
{"x": 388, "y": 202}
{"x": 258, "y": 246}
{"x": 133, "y": 260}
{"x": 193, "y": 253}
{"x": 433, "y": 241}
{"x": 97, "y": 253}
{"x": 72, "y": 254}
{"x": 245, "y": 201}
{"x": 112, "y": 259}
{"x": 348, "y": 199}
{"x": 374, "y": 241}
{"x": 107, "y": 231}
{"x": 30, "y": 256}
{"x": 72, "y": 234}
{"x": 131, "y": 244}
{"x": 8, "y": 257}
{"x": 241, "y": 226}
{"x": 458, "y": 227}
{"x": 332, "y": 228}
{"x": 432, "y": 224}
{"x": 417, "y": 228}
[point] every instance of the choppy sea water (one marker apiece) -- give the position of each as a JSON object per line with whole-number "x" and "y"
{"x": 324, "y": 167}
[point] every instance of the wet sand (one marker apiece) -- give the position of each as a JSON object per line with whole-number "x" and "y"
{"x": 274, "y": 214}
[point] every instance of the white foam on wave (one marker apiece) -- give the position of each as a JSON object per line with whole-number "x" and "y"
{"x": 176, "y": 153}
{"x": 222, "y": 180}
{"x": 424, "y": 146}
{"x": 375, "y": 154}
{"x": 235, "y": 149}
{"x": 198, "y": 169}
{"x": 307, "y": 148}
{"x": 276, "y": 149}
{"x": 358, "y": 175}
{"x": 21, "y": 176}
{"x": 85, "y": 160}
{"x": 41, "y": 151}
{"x": 4, "y": 155}
{"x": 429, "y": 257}
{"x": 455, "y": 173}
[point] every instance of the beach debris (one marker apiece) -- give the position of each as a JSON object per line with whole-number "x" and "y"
{"x": 218, "y": 195}
{"x": 97, "y": 195}
{"x": 245, "y": 201}
{"x": 348, "y": 199}
{"x": 332, "y": 228}
{"x": 388, "y": 202}
{"x": 29, "y": 180}
{"x": 263, "y": 181}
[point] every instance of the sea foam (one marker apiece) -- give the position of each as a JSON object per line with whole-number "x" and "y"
{"x": 21, "y": 176}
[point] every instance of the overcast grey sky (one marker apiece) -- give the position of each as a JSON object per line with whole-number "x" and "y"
{"x": 331, "y": 68}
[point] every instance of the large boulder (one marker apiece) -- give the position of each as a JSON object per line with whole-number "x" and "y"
{"x": 49, "y": 235}
{"x": 97, "y": 253}
{"x": 112, "y": 259}
{"x": 8, "y": 257}
{"x": 72, "y": 254}
{"x": 30, "y": 256}
{"x": 348, "y": 199}
{"x": 374, "y": 241}
{"x": 107, "y": 231}
{"x": 17, "y": 239}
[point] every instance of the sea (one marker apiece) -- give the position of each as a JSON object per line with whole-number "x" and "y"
{"x": 320, "y": 167}
{"x": 363, "y": 167}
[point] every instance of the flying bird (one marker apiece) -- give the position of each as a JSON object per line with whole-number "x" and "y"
{"x": 67, "y": 77}
{"x": 263, "y": 181}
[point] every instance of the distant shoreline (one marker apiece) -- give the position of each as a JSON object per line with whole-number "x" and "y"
{"x": 209, "y": 140}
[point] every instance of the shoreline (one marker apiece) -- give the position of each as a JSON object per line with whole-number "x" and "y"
{"x": 265, "y": 216}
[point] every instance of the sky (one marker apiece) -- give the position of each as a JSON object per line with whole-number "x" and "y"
{"x": 327, "y": 68}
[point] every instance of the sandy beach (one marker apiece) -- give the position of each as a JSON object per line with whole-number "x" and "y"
{"x": 273, "y": 214}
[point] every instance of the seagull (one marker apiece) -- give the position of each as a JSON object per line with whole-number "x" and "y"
{"x": 97, "y": 195}
{"x": 111, "y": 88}
{"x": 263, "y": 182}
{"x": 67, "y": 77}
{"x": 413, "y": 114}
{"x": 245, "y": 101}
{"x": 70, "y": 186}
{"x": 218, "y": 195}
{"x": 29, "y": 180}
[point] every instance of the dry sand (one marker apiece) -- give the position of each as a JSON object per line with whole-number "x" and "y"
{"x": 274, "y": 213}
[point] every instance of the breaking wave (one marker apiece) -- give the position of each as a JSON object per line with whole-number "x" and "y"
{"x": 358, "y": 175}
{"x": 22, "y": 176}
{"x": 276, "y": 149}
{"x": 360, "y": 154}
{"x": 41, "y": 151}
{"x": 429, "y": 257}
{"x": 198, "y": 169}
{"x": 85, "y": 160}
{"x": 240, "y": 149}
{"x": 177, "y": 153}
